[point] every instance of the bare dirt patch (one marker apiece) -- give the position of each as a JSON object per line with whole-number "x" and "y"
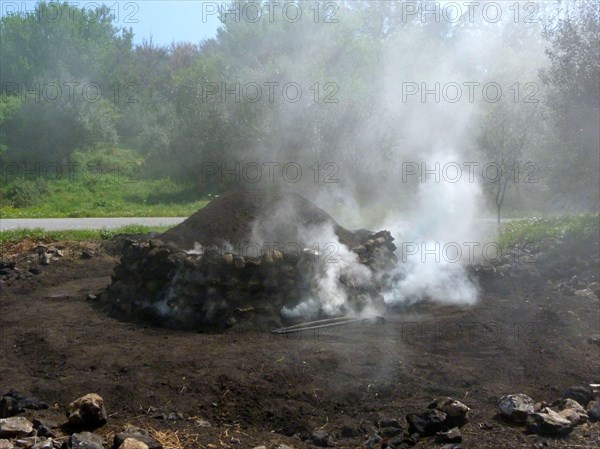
{"x": 254, "y": 388}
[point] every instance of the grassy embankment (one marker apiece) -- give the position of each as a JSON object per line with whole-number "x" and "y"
{"x": 104, "y": 183}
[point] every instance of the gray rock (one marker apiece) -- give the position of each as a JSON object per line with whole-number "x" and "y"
{"x": 427, "y": 423}
{"x": 457, "y": 413}
{"x": 13, "y": 403}
{"x": 388, "y": 432}
{"x": 26, "y": 443}
{"x": 593, "y": 410}
{"x": 583, "y": 395}
{"x": 15, "y": 427}
{"x": 516, "y": 406}
{"x": 5, "y": 444}
{"x": 137, "y": 434}
{"x": 548, "y": 423}
{"x": 372, "y": 442}
{"x": 573, "y": 411}
{"x": 87, "y": 411}
{"x": 451, "y": 436}
{"x": 86, "y": 440}
{"x": 132, "y": 443}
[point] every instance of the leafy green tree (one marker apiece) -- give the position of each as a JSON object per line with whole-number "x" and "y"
{"x": 574, "y": 102}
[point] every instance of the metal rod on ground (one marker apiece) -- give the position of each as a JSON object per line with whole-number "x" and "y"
{"x": 319, "y": 324}
{"x": 323, "y": 321}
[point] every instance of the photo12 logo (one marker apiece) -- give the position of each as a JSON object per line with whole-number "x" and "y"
{"x": 73, "y": 11}
{"x": 469, "y": 91}
{"x": 271, "y": 11}
{"x": 267, "y": 172}
{"x": 73, "y": 91}
{"x": 268, "y": 91}
{"x": 453, "y": 172}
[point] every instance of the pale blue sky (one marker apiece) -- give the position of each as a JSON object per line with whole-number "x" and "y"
{"x": 166, "y": 21}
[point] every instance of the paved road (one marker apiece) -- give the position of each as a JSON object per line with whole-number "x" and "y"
{"x": 61, "y": 224}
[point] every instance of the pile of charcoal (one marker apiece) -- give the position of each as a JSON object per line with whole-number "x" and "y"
{"x": 215, "y": 287}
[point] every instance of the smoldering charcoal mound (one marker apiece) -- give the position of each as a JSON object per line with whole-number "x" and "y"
{"x": 250, "y": 258}
{"x": 231, "y": 218}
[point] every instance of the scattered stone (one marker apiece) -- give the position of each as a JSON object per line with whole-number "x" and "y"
{"x": 593, "y": 410}
{"x": 139, "y": 435}
{"x": 451, "y": 446}
{"x": 15, "y": 427}
{"x": 388, "y": 432}
{"x": 284, "y": 446}
{"x": 397, "y": 441}
{"x": 427, "y": 423}
{"x": 372, "y": 442}
{"x": 571, "y": 415}
{"x": 320, "y": 438}
{"x": 583, "y": 395}
{"x": 413, "y": 439}
{"x": 457, "y": 413}
{"x": 132, "y": 443}
{"x": 451, "y": 436}
{"x": 44, "y": 431}
{"x": 573, "y": 411}
{"x": 13, "y": 403}
{"x": 260, "y": 447}
{"x": 86, "y": 440}
{"x": 548, "y": 423}
{"x": 516, "y": 406}
{"x": 87, "y": 411}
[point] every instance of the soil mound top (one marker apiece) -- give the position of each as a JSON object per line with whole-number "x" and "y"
{"x": 242, "y": 216}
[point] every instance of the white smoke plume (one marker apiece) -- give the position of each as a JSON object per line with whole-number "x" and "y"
{"x": 438, "y": 241}
{"x": 335, "y": 261}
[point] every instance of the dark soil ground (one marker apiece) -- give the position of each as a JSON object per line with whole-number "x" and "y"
{"x": 255, "y": 388}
